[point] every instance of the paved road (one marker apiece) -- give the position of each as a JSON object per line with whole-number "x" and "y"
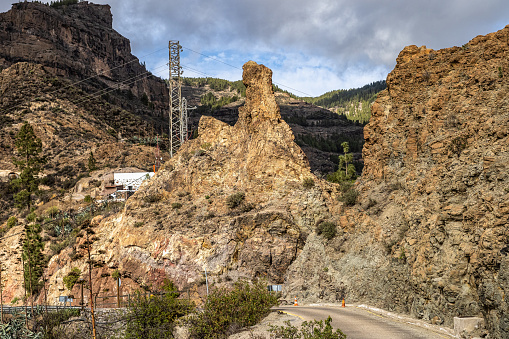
{"x": 359, "y": 323}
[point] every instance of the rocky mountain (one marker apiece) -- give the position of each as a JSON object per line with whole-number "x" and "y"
{"x": 232, "y": 201}
{"x": 78, "y": 42}
{"x": 427, "y": 236}
{"x": 430, "y": 235}
{"x": 318, "y": 131}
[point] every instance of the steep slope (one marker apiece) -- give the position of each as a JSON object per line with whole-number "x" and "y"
{"x": 430, "y": 235}
{"x": 77, "y": 42}
{"x": 70, "y": 124}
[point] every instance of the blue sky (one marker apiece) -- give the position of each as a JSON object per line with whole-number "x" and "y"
{"x": 312, "y": 46}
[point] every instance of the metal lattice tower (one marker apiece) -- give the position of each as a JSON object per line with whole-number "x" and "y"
{"x": 178, "y": 105}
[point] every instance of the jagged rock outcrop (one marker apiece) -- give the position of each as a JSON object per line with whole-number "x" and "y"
{"x": 186, "y": 220}
{"x": 76, "y": 41}
{"x": 430, "y": 234}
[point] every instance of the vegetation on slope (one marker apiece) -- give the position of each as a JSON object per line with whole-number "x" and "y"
{"x": 354, "y": 103}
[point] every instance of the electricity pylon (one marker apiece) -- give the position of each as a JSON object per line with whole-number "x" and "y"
{"x": 178, "y": 105}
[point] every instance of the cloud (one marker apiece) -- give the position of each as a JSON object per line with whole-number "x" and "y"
{"x": 338, "y": 42}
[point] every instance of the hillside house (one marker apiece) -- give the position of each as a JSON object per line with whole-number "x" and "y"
{"x": 124, "y": 185}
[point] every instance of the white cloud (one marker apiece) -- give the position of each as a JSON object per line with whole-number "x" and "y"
{"x": 338, "y": 42}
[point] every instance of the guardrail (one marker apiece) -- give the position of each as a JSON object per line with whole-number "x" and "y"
{"x": 100, "y": 302}
{"x": 21, "y": 309}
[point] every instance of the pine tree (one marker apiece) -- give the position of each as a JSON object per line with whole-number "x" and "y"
{"x": 29, "y": 162}
{"x": 346, "y": 169}
{"x": 91, "y": 162}
{"x": 33, "y": 257}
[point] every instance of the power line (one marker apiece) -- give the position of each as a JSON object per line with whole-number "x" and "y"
{"x": 207, "y": 56}
{"x": 223, "y": 62}
{"x": 109, "y": 90}
{"x": 86, "y": 79}
{"x": 10, "y": 236}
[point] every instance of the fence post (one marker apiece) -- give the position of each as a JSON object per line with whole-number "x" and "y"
{"x": 118, "y": 292}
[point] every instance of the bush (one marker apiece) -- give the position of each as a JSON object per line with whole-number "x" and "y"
{"x": 308, "y": 330}
{"x": 327, "y": 229}
{"x": 49, "y": 323}
{"x": 115, "y": 274}
{"x": 308, "y": 183}
{"x": 349, "y": 198}
{"x": 235, "y": 199}
{"x": 88, "y": 199}
{"x": 52, "y": 212}
{"x": 152, "y": 198}
{"x": 31, "y": 217}
{"x": 11, "y": 222}
{"x": 56, "y": 248}
{"x": 227, "y": 312}
{"x": 71, "y": 278}
{"x": 154, "y": 316}
{"x": 176, "y": 205}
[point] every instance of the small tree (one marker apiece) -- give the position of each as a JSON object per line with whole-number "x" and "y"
{"x": 154, "y": 316}
{"x": 72, "y": 278}
{"x": 228, "y": 311}
{"x": 346, "y": 169}
{"x": 29, "y": 162}
{"x": 33, "y": 259}
{"x": 92, "y": 166}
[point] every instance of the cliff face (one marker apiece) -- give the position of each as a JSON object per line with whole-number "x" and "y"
{"x": 430, "y": 234}
{"x": 75, "y": 41}
{"x": 185, "y": 220}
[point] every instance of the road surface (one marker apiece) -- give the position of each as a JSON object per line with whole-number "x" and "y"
{"x": 359, "y": 323}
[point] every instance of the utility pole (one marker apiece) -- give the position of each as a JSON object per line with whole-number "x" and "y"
{"x": 94, "y": 336}
{"x": 24, "y": 281}
{"x": 1, "y": 296}
{"x": 178, "y": 106}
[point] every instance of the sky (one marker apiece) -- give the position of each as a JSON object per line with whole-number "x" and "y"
{"x": 312, "y": 46}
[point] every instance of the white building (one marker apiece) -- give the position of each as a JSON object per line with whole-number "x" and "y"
{"x": 131, "y": 181}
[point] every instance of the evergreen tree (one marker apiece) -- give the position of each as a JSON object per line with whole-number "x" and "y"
{"x": 29, "y": 162}
{"x": 33, "y": 257}
{"x": 346, "y": 169}
{"x": 91, "y": 162}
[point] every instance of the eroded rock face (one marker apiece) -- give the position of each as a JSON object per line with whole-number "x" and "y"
{"x": 429, "y": 234}
{"x": 75, "y": 41}
{"x": 183, "y": 221}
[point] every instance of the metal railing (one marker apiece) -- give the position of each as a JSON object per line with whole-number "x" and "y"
{"x": 100, "y": 302}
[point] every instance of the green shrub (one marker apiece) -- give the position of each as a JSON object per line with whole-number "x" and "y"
{"x": 152, "y": 198}
{"x": 349, "y": 198}
{"x": 31, "y": 217}
{"x": 115, "y": 274}
{"x": 176, "y": 205}
{"x": 48, "y": 324}
{"x": 235, "y": 199}
{"x": 56, "y": 248}
{"x": 88, "y": 199}
{"x": 71, "y": 278}
{"x": 12, "y": 221}
{"x": 154, "y": 316}
{"x": 308, "y": 183}
{"x": 309, "y": 330}
{"x": 227, "y": 312}
{"x": 138, "y": 224}
{"x": 59, "y": 3}
{"x": 327, "y": 229}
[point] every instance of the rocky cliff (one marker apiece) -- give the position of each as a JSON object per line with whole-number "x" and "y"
{"x": 78, "y": 42}
{"x": 231, "y": 201}
{"x": 430, "y": 235}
